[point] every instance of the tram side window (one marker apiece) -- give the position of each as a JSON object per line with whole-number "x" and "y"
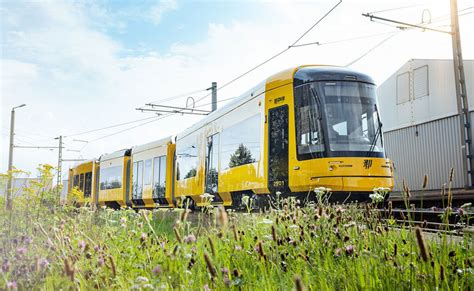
{"x": 137, "y": 178}
{"x": 159, "y": 177}
{"x": 111, "y": 178}
{"x": 81, "y": 182}
{"x": 147, "y": 176}
{"x": 308, "y": 125}
{"x": 187, "y": 160}
{"x": 88, "y": 185}
{"x": 240, "y": 143}
{"x": 76, "y": 181}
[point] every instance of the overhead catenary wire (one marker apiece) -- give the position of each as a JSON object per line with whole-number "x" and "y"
{"x": 371, "y": 49}
{"x": 111, "y": 126}
{"x": 275, "y": 55}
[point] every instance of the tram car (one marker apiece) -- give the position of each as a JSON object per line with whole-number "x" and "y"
{"x": 303, "y": 128}
{"x": 82, "y": 177}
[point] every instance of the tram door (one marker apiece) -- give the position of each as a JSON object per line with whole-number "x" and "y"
{"x": 212, "y": 166}
{"x": 278, "y": 149}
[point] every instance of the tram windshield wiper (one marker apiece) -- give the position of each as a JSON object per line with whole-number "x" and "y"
{"x": 377, "y": 134}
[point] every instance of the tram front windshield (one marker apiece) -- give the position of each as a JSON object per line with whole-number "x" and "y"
{"x": 340, "y": 117}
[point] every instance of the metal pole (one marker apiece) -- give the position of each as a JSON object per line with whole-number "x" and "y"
{"x": 9, "y": 194}
{"x": 60, "y": 161}
{"x": 461, "y": 97}
{"x": 10, "y": 161}
{"x": 214, "y": 96}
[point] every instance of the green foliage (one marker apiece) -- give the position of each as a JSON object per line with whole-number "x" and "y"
{"x": 326, "y": 247}
{"x": 241, "y": 156}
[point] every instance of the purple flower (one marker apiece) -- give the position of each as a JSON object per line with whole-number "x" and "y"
{"x": 12, "y": 285}
{"x": 101, "y": 262}
{"x": 82, "y": 245}
{"x": 349, "y": 250}
{"x": 157, "y": 270}
{"x": 238, "y": 248}
{"x": 190, "y": 239}
{"x": 27, "y": 240}
{"x": 96, "y": 248}
{"x": 224, "y": 271}
{"x": 143, "y": 237}
{"x": 21, "y": 251}
{"x": 6, "y": 266}
{"x": 206, "y": 288}
{"x": 43, "y": 263}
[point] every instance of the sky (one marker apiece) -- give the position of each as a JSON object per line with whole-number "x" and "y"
{"x": 84, "y": 65}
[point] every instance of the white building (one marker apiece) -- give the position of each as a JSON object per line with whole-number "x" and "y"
{"x": 421, "y": 125}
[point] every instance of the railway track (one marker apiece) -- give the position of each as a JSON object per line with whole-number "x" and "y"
{"x": 435, "y": 220}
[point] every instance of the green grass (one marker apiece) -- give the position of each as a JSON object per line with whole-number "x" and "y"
{"x": 44, "y": 246}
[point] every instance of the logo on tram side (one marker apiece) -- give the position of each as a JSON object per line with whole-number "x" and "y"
{"x": 367, "y": 164}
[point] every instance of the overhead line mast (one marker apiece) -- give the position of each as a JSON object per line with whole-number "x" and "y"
{"x": 461, "y": 92}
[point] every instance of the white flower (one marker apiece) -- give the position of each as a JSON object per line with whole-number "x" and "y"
{"x": 322, "y": 190}
{"x": 293, "y": 226}
{"x": 266, "y": 221}
{"x": 140, "y": 279}
{"x": 376, "y": 197}
{"x": 206, "y": 195}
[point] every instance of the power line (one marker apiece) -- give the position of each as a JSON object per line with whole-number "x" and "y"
{"x": 130, "y": 128}
{"x": 396, "y": 8}
{"x": 371, "y": 49}
{"x": 344, "y": 40}
{"x": 277, "y": 54}
{"x": 111, "y": 126}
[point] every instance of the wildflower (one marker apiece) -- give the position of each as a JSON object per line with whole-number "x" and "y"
{"x": 206, "y": 287}
{"x": 123, "y": 220}
{"x": 143, "y": 237}
{"x": 82, "y": 245}
{"x": 157, "y": 270}
{"x": 349, "y": 250}
{"x": 266, "y": 221}
{"x": 43, "y": 263}
{"x": 293, "y": 226}
{"x": 27, "y": 240}
{"x": 189, "y": 239}
{"x": 238, "y": 248}
{"x": 12, "y": 285}
{"x": 141, "y": 279}
{"x": 376, "y": 197}
{"x": 21, "y": 251}
{"x": 101, "y": 262}
{"x": 96, "y": 248}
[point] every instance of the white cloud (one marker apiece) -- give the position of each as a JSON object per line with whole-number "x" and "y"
{"x": 161, "y": 8}
{"x": 73, "y": 78}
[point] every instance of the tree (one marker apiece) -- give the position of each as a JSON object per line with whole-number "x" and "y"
{"x": 241, "y": 156}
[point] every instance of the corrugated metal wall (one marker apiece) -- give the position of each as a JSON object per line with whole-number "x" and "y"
{"x": 431, "y": 148}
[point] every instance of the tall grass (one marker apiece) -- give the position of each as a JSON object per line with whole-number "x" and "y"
{"x": 318, "y": 246}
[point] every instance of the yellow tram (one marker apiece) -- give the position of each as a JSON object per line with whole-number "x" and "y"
{"x": 303, "y": 128}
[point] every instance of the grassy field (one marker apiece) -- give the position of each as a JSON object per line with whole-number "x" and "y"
{"x": 319, "y": 246}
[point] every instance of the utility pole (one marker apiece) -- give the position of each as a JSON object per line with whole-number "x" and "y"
{"x": 60, "y": 162}
{"x": 214, "y": 96}
{"x": 461, "y": 96}
{"x": 9, "y": 193}
{"x": 461, "y": 92}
